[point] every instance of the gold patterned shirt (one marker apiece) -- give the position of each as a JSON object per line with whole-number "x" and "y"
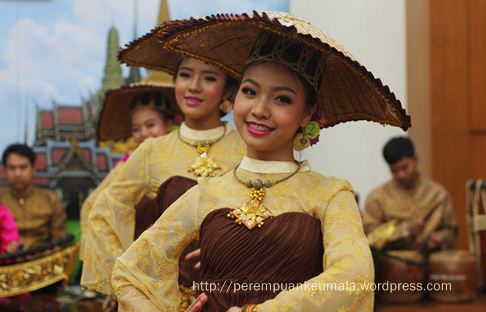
{"x": 145, "y": 276}
{"x": 112, "y": 218}
{"x": 391, "y": 203}
{"x": 39, "y": 214}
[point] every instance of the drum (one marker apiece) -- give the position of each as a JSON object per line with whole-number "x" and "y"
{"x": 453, "y": 274}
{"x": 400, "y": 275}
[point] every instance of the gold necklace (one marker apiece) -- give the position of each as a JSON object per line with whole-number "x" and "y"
{"x": 252, "y": 212}
{"x": 203, "y": 165}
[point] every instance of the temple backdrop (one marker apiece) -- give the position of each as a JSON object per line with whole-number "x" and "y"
{"x": 57, "y": 60}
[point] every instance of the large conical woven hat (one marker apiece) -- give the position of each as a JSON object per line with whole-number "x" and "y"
{"x": 345, "y": 89}
{"x": 148, "y": 52}
{"x": 115, "y": 119}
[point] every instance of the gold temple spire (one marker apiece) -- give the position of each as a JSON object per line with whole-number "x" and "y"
{"x": 157, "y": 76}
{"x": 164, "y": 14}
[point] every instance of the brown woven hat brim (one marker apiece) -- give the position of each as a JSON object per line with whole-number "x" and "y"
{"x": 349, "y": 92}
{"x": 148, "y": 52}
{"x": 115, "y": 119}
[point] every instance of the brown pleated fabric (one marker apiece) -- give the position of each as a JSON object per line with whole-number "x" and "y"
{"x": 148, "y": 211}
{"x": 287, "y": 249}
{"x": 145, "y": 212}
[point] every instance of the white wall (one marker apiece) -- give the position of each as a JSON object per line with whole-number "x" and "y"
{"x": 374, "y": 32}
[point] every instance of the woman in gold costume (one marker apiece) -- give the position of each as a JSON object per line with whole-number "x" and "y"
{"x": 163, "y": 168}
{"x": 140, "y": 111}
{"x": 275, "y": 236}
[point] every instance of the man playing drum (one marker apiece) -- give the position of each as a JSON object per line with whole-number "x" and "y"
{"x": 409, "y": 212}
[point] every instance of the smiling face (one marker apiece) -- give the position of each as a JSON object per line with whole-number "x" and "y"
{"x": 269, "y": 109}
{"x": 147, "y": 123}
{"x": 199, "y": 90}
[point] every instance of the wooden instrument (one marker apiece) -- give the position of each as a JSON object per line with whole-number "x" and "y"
{"x": 399, "y": 273}
{"x": 476, "y": 222}
{"x": 37, "y": 267}
{"x": 452, "y": 274}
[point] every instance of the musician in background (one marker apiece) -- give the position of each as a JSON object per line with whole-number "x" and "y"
{"x": 38, "y": 212}
{"x": 410, "y": 211}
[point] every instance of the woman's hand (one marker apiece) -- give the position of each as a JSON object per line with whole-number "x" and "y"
{"x": 194, "y": 255}
{"x": 197, "y": 305}
{"x": 234, "y": 309}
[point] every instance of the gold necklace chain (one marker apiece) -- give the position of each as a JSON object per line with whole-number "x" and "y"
{"x": 201, "y": 143}
{"x": 258, "y": 184}
{"x": 252, "y": 212}
{"x": 203, "y": 165}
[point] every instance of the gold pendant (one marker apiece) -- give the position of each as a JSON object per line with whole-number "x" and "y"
{"x": 204, "y": 165}
{"x": 252, "y": 213}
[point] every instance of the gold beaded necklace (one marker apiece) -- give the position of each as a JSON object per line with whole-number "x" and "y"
{"x": 252, "y": 212}
{"x": 204, "y": 165}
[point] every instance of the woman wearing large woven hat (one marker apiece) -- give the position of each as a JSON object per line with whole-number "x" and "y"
{"x": 272, "y": 223}
{"x": 165, "y": 167}
{"x": 132, "y": 113}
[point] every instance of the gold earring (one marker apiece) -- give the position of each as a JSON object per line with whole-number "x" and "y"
{"x": 305, "y": 134}
{"x": 301, "y": 141}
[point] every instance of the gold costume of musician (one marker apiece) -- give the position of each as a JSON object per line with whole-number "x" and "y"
{"x": 38, "y": 212}
{"x": 40, "y": 218}
{"x": 410, "y": 211}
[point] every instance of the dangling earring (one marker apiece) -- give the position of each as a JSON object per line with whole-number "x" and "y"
{"x": 306, "y": 134}
{"x": 301, "y": 141}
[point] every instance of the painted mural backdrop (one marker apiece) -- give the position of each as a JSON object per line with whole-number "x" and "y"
{"x": 57, "y": 60}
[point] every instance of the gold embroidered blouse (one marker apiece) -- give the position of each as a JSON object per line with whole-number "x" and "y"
{"x": 112, "y": 218}
{"x": 39, "y": 214}
{"x": 88, "y": 204}
{"x": 145, "y": 276}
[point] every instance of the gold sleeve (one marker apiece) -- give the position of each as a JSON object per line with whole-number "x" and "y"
{"x": 448, "y": 229}
{"x": 443, "y": 222}
{"x": 379, "y": 231}
{"x": 88, "y": 204}
{"x": 345, "y": 284}
{"x": 58, "y": 219}
{"x": 373, "y": 213}
{"x": 112, "y": 220}
{"x": 145, "y": 277}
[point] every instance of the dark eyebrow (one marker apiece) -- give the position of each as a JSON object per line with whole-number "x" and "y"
{"x": 251, "y": 81}
{"x": 283, "y": 88}
{"x": 208, "y": 71}
{"x": 279, "y": 88}
{"x": 186, "y": 68}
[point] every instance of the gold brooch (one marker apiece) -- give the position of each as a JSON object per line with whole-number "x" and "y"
{"x": 204, "y": 165}
{"x": 252, "y": 213}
